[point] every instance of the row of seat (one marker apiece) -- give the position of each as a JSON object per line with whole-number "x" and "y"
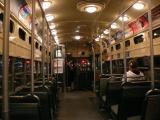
{"x": 125, "y": 100}
{"x": 41, "y": 105}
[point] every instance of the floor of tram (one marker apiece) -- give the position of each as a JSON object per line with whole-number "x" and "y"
{"x": 80, "y": 105}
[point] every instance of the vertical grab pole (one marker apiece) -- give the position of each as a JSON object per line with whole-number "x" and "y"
{"x": 43, "y": 49}
{"x": 5, "y": 91}
{"x": 111, "y": 72}
{"x": 32, "y": 46}
{"x": 48, "y": 55}
{"x": 94, "y": 69}
{"x": 51, "y": 50}
{"x": 124, "y": 50}
{"x": 151, "y": 43}
{"x": 101, "y": 50}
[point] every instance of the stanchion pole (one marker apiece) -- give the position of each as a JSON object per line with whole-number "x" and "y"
{"x": 5, "y": 91}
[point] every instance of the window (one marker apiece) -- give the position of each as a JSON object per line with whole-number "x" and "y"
{"x": 22, "y": 34}
{"x": 138, "y": 39}
{"x": 112, "y": 48}
{"x": 1, "y": 17}
{"x": 11, "y": 26}
{"x": 30, "y": 40}
{"x": 40, "y": 48}
{"x": 127, "y": 43}
{"x": 156, "y": 33}
{"x": 49, "y": 53}
{"x": 118, "y": 46}
{"x": 36, "y": 45}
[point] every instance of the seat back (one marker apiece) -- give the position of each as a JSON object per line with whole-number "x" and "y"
{"x": 151, "y": 110}
{"x": 132, "y": 96}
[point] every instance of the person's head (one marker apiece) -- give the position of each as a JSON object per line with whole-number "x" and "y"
{"x": 132, "y": 64}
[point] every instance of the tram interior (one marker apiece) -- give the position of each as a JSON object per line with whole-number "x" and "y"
{"x": 69, "y": 59}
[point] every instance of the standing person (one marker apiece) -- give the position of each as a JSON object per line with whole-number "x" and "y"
{"x": 133, "y": 73}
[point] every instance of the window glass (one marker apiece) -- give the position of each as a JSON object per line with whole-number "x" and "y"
{"x": 118, "y": 46}
{"x": 138, "y": 39}
{"x": 22, "y": 34}
{"x": 36, "y": 45}
{"x": 156, "y": 33}
{"x": 127, "y": 43}
{"x": 11, "y": 26}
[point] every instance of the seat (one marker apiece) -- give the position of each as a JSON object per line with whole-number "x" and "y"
{"x": 151, "y": 109}
{"x": 132, "y": 97}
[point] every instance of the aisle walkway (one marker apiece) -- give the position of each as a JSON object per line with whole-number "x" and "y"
{"x": 79, "y": 105}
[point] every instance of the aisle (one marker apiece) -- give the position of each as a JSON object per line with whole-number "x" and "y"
{"x": 79, "y": 105}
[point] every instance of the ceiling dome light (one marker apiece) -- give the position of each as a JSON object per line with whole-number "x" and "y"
{"x": 97, "y": 39}
{"x": 124, "y": 18}
{"x": 77, "y": 37}
{"x": 49, "y": 17}
{"x": 54, "y": 32}
{"x": 114, "y": 26}
{"x": 52, "y": 26}
{"x": 106, "y": 31}
{"x": 138, "y": 5}
{"x": 90, "y": 7}
{"x": 102, "y": 36}
{"x": 46, "y": 4}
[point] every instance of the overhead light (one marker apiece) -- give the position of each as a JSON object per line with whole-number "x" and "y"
{"x": 52, "y": 26}
{"x": 114, "y": 26}
{"x": 49, "y": 17}
{"x": 106, "y": 31}
{"x": 102, "y": 36}
{"x": 90, "y": 7}
{"x": 97, "y": 39}
{"x": 54, "y": 32}
{"x": 138, "y": 5}
{"x": 77, "y": 31}
{"x": 46, "y": 4}
{"x": 124, "y": 18}
{"x": 77, "y": 37}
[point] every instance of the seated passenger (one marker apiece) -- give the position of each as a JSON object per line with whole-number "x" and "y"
{"x": 133, "y": 73}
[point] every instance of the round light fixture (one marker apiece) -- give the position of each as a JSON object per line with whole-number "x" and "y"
{"x": 97, "y": 39}
{"x": 54, "y": 32}
{"x": 46, "y": 4}
{"x": 114, "y": 26}
{"x": 49, "y": 17}
{"x": 52, "y": 26}
{"x": 90, "y": 7}
{"x": 77, "y": 37}
{"x": 102, "y": 36}
{"x": 106, "y": 31}
{"x": 138, "y": 5}
{"x": 124, "y": 18}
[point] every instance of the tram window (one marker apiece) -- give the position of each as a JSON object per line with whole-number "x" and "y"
{"x": 112, "y": 48}
{"x": 49, "y": 54}
{"x": 40, "y": 48}
{"x": 36, "y": 45}
{"x": 22, "y": 34}
{"x": 1, "y": 16}
{"x": 138, "y": 39}
{"x": 46, "y": 52}
{"x": 29, "y": 39}
{"x": 156, "y": 33}
{"x": 118, "y": 46}
{"x": 127, "y": 43}
{"x": 11, "y": 26}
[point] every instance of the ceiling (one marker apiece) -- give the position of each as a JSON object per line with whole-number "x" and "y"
{"x": 70, "y": 21}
